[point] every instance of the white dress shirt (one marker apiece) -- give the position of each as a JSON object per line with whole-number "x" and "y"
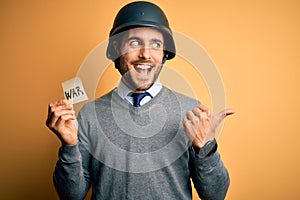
{"x": 125, "y": 92}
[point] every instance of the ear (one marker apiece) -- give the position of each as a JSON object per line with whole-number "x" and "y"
{"x": 165, "y": 58}
{"x": 116, "y": 47}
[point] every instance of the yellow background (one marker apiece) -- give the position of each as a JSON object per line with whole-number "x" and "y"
{"x": 255, "y": 45}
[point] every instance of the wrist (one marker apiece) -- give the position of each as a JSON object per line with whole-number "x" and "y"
{"x": 70, "y": 142}
{"x": 207, "y": 149}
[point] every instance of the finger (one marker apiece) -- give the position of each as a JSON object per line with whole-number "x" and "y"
{"x": 63, "y": 119}
{"x": 55, "y": 107}
{"x": 59, "y": 106}
{"x": 186, "y": 122}
{"x": 229, "y": 112}
{"x": 60, "y": 102}
{"x": 225, "y": 113}
{"x": 221, "y": 115}
{"x": 55, "y": 116}
{"x": 190, "y": 115}
{"x": 188, "y": 127}
{"x": 203, "y": 108}
{"x": 192, "y": 118}
{"x": 202, "y": 115}
{"x": 63, "y": 124}
{"x": 197, "y": 112}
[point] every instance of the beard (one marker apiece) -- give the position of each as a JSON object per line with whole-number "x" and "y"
{"x": 142, "y": 74}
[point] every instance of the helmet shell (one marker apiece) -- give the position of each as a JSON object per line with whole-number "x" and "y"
{"x": 141, "y": 14}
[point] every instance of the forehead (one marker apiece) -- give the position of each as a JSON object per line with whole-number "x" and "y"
{"x": 144, "y": 33}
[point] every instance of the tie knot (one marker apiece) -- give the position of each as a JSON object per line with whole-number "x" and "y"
{"x": 137, "y": 98}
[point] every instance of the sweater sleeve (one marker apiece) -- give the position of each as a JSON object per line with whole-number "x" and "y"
{"x": 209, "y": 175}
{"x": 71, "y": 175}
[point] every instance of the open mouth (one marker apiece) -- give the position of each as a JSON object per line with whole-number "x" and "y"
{"x": 143, "y": 68}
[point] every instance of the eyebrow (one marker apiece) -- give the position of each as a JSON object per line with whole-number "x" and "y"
{"x": 133, "y": 38}
{"x": 137, "y": 38}
{"x": 157, "y": 40}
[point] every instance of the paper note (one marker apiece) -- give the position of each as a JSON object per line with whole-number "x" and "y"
{"x": 74, "y": 91}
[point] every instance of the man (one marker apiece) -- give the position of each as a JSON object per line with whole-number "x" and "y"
{"x": 141, "y": 140}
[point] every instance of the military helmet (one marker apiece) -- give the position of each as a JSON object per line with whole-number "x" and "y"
{"x": 141, "y": 14}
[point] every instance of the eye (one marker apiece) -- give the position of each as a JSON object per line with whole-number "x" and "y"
{"x": 156, "y": 45}
{"x": 135, "y": 43}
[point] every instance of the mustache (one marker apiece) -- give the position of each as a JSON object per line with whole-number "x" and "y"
{"x": 145, "y": 62}
{"x": 136, "y": 62}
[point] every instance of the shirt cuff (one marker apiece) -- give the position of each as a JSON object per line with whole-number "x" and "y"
{"x": 69, "y": 154}
{"x": 207, "y": 162}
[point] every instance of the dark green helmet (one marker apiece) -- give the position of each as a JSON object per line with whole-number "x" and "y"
{"x": 141, "y": 14}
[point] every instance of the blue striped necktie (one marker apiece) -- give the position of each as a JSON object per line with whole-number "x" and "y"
{"x": 137, "y": 98}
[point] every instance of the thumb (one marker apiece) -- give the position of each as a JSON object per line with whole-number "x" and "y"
{"x": 221, "y": 116}
{"x": 226, "y": 112}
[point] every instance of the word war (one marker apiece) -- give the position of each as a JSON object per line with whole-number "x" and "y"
{"x": 74, "y": 91}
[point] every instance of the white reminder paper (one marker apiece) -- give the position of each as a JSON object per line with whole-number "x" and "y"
{"x": 74, "y": 91}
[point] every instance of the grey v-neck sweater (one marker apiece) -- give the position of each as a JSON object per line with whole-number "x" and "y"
{"x": 137, "y": 153}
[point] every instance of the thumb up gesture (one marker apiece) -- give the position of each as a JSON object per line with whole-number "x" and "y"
{"x": 200, "y": 124}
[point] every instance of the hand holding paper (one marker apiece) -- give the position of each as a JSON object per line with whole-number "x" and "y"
{"x": 62, "y": 121}
{"x": 61, "y": 115}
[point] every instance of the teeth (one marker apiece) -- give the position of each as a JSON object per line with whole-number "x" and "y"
{"x": 143, "y": 66}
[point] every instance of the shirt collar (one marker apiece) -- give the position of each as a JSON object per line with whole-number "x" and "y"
{"x": 124, "y": 91}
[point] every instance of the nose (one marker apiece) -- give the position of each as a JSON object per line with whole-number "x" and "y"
{"x": 145, "y": 53}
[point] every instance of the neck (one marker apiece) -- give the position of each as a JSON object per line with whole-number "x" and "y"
{"x": 136, "y": 89}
